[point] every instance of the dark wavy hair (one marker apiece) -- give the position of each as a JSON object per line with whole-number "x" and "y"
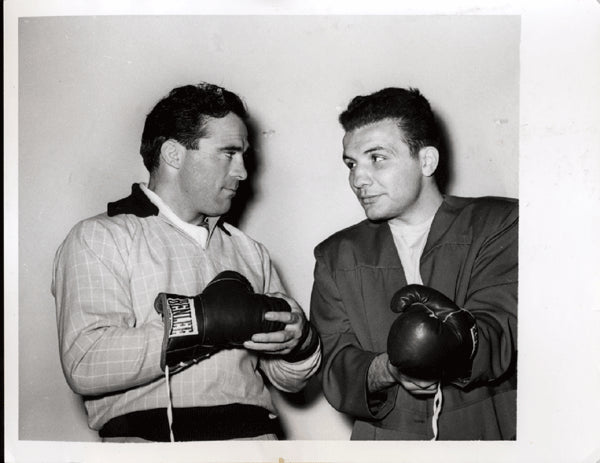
{"x": 182, "y": 116}
{"x": 408, "y": 108}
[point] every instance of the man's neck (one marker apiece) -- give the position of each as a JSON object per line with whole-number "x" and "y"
{"x": 172, "y": 199}
{"x": 424, "y": 209}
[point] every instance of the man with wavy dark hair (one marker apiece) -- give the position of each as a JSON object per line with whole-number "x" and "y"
{"x": 169, "y": 317}
{"x": 416, "y": 306}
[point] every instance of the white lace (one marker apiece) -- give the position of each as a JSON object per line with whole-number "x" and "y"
{"x": 437, "y": 408}
{"x": 169, "y": 403}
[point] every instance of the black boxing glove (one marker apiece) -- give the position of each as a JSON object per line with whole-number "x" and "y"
{"x": 225, "y": 314}
{"x": 432, "y": 338}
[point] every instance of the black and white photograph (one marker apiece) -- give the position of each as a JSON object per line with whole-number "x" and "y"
{"x": 302, "y": 234}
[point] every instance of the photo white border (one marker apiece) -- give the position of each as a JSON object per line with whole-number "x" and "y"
{"x": 555, "y": 117}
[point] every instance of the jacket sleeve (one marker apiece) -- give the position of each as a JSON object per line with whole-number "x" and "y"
{"x": 345, "y": 363}
{"x": 102, "y": 348}
{"x": 285, "y": 376}
{"x": 492, "y": 298}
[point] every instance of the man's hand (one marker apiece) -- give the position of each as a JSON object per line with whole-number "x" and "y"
{"x": 414, "y": 386}
{"x": 382, "y": 375}
{"x": 284, "y": 341}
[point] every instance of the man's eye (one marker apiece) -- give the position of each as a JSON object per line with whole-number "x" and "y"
{"x": 349, "y": 164}
{"x": 377, "y": 158}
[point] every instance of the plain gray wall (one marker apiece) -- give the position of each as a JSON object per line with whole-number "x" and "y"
{"x": 86, "y": 84}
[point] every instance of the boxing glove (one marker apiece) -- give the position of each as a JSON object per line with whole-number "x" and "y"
{"x": 225, "y": 314}
{"x": 432, "y": 338}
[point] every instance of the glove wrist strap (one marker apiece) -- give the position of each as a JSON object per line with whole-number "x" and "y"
{"x": 302, "y": 351}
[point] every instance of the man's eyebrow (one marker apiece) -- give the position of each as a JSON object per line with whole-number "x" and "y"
{"x": 233, "y": 147}
{"x": 374, "y": 148}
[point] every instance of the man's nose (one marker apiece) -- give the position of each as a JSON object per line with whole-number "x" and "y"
{"x": 360, "y": 177}
{"x": 238, "y": 168}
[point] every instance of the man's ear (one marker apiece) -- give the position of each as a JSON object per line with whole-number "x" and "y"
{"x": 172, "y": 153}
{"x": 429, "y": 157}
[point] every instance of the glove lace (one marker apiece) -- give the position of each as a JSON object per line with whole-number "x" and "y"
{"x": 169, "y": 403}
{"x": 437, "y": 408}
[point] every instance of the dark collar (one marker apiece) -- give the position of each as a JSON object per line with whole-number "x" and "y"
{"x": 137, "y": 203}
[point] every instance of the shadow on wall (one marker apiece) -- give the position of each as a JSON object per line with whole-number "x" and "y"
{"x": 443, "y": 174}
{"x": 304, "y": 400}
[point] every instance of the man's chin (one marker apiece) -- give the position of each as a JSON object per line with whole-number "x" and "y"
{"x": 376, "y": 216}
{"x": 219, "y": 211}
{"x": 373, "y": 213}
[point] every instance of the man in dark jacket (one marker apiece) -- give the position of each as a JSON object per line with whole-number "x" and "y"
{"x": 463, "y": 250}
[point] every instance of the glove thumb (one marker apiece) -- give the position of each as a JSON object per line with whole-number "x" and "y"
{"x": 407, "y": 296}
